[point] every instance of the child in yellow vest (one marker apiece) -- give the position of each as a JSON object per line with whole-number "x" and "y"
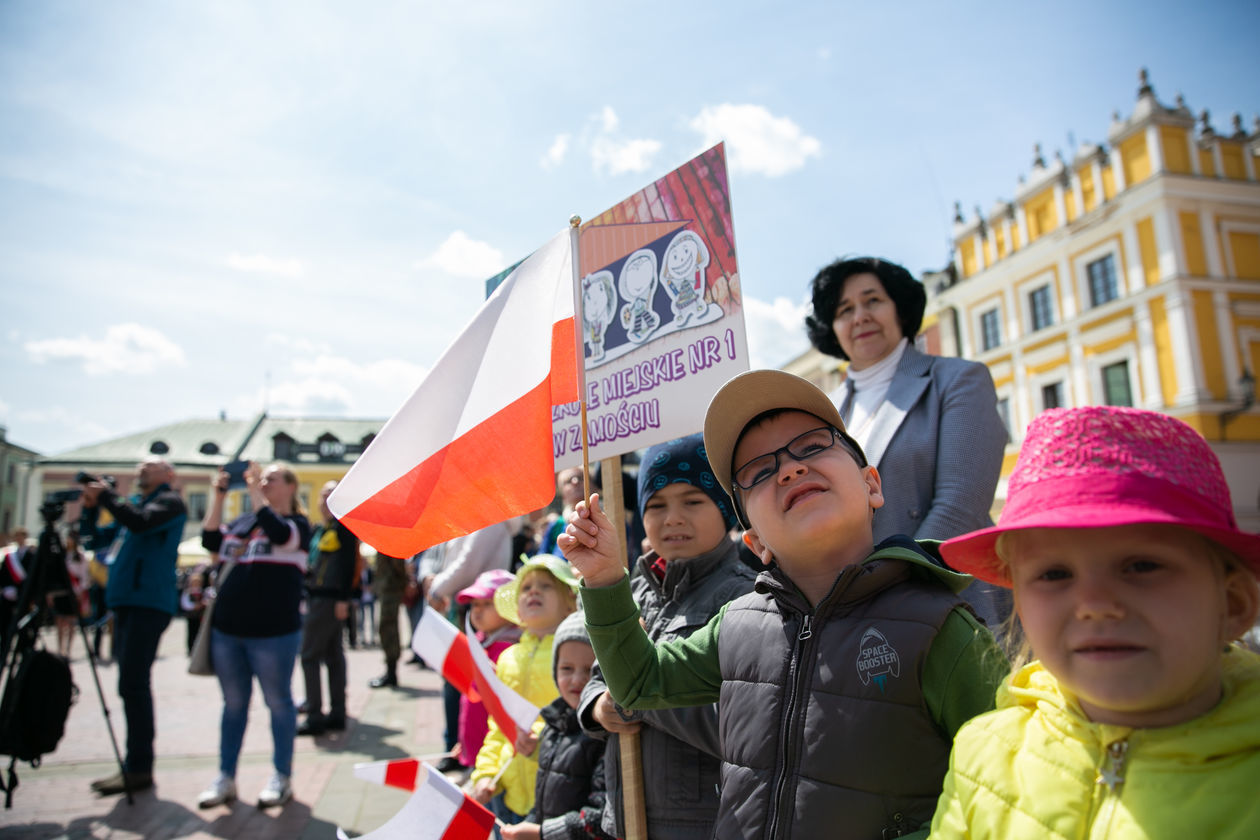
{"x": 542, "y": 595}
{"x": 1139, "y": 717}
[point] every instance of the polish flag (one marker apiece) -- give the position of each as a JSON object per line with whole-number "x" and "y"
{"x": 436, "y": 811}
{"x": 472, "y": 445}
{"x": 464, "y": 664}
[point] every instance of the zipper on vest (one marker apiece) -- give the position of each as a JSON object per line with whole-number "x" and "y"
{"x": 1112, "y": 773}
{"x": 789, "y": 736}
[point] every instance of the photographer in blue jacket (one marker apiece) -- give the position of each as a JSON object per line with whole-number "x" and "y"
{"x": 142, "y": 544}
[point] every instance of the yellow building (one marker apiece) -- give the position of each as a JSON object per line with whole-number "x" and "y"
{"x": 1129, "y": 275}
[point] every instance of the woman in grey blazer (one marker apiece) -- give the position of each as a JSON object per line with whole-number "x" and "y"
{"x": 928, "y": 423}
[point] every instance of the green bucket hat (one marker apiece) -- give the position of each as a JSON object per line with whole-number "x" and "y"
{"x": 505, "y": 596}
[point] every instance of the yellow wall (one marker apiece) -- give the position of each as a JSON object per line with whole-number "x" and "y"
{"x": 989, "y": 257}
{"x": 1089, "y": 190}
{"x": 1148, "y": 251}
{"x": 1057, "y": 362}
{"x": 1164, "y": 350}
{"x": 1109, "y": 183}
{"x": 1192, "y": 239}
{"x": 1136, "y": 159}
{"x": 1209, "y": 347}
{"x": 1176, "y": 149}
{"x": 1041, "y": 215}
{"x": 1207, "y": 164}
{"x": 1232, "y": 161}
{"x": 1119, "y": 315}
{"x": 999, "y": 237}
{"x": 1069, "y": 205}
{"x": 967, "y": 250}
{"x": 1246, "y": 250}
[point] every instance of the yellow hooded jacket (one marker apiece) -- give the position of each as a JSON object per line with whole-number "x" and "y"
{"x": 525, "y": 667}
{"x": 1036, "y": 767}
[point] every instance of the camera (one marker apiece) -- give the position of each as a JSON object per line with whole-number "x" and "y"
{"x": 236, "y": 473}
{"x": 62, "y": 496}
{"x": 84, "y": 477}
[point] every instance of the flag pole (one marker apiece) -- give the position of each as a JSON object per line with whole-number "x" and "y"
{"x": 579, "y": 324}
{"x": 634, "y": 811}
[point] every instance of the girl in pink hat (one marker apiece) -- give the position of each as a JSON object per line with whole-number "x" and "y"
{"x": 1138, "y": 717}
{"x": 496, "y": 634}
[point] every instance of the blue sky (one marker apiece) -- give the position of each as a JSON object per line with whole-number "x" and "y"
{"x": 212, "y": 207}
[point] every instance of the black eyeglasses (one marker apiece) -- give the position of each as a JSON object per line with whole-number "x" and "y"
{"x": 801, "y": 448}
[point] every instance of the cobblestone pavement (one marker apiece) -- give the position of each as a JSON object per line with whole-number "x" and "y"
{"x": 55, "y": 801}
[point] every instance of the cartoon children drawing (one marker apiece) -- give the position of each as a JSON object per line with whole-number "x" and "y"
{"x": 683, "y": 275}
{"x": 638, "y": 286}
{"x": 599, "y": 308}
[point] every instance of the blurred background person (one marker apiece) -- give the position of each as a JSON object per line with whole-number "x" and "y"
{"x": 69, "y": 606}
{"x": 143, "y": 540}
{"x": 330, "y": 585}
{"x": 256, "y": 626}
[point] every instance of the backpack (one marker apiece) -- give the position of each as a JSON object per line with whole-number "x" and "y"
{"x": 33, "y": 711}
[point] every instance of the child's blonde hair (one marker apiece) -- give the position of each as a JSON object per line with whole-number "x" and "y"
{"x": 506, "y": 596}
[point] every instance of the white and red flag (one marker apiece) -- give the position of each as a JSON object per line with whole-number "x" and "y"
{"x": 436, "y": 811}
{"x": 466, "y": 666}
{"x": 473, "y": 444}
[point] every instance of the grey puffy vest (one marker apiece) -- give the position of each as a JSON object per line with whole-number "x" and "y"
{"x": 825, "y": 732}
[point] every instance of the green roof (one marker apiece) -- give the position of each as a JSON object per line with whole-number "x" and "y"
{"x": 210, "y": 443}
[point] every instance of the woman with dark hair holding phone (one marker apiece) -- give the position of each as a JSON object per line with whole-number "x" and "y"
{"x": 929, "y": 424}
{"x": 256, "y": 624}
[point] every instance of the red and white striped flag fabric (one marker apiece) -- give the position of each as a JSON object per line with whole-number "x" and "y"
{"x": 472, "y": 445}
{"x": 462, "y": 664}
{"x": 436, "y": 811}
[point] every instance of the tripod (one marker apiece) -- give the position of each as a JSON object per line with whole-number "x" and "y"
{"x": 47, "y": 576}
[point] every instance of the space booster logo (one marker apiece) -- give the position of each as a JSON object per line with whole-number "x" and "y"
{"x": 877, "y": 659}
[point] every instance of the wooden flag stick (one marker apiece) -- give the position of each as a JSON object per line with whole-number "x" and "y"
{"x": 612, "y": 499}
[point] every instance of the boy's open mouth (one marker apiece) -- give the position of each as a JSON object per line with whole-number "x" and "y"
{"x": 800, "y": 492}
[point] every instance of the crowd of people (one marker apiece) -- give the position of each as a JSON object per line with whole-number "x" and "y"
{"x": 818, "y": 629}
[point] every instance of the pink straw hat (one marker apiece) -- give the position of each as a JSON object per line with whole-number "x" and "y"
{"x": 1103, "y": 466}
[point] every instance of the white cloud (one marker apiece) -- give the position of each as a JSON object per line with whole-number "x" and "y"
{"x": 462, "y": 256}
{"x": 61, "y": 423}
{"x": 261, "y": 264}
{"x": 615, "y": 157}
{"x": 776, "y": 330}
{"x": 296, "y": 343}
{"x": 126, "y": 348}
{"x": 555, "y": 154}
{"x": 336, "y": 386}
{"x": 608, "y": 120}
{"x": 383, "y": 373}
{"x": 756, "y": 140}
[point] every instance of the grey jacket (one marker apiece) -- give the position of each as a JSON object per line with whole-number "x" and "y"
{"x": 938, "y": 443}
{"x": 679, "y": 746}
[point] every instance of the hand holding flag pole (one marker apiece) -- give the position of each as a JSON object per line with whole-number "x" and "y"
{"x": 631, "y": 762}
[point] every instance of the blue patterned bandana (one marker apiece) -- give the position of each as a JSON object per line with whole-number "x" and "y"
{"x": 682, "y": 461}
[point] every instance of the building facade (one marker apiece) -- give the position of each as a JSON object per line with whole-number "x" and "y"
{"x": 1129, "y": 275}
{"x": 316, "y": 449}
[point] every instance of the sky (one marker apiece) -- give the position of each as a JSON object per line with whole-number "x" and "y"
{"x": 232, "y": 206}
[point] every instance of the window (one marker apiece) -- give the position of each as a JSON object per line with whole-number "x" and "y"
{"x": 1116, "y": 390}
{"x": 1052, "y": 395}
{"x": 196, "y": 506}
{"x": 1004, "y": 411}
{"x": 1102, "y": 280}
{"x": 990, "y": 329}
{"x": 1039, "y": 300}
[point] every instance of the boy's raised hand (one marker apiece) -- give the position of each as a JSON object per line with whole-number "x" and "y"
{"x": 591, "y": 545}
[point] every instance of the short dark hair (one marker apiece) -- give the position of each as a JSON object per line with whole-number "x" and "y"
{"x": 906, "y": 293}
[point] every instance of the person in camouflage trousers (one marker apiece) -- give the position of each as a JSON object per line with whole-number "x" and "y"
{"x": 391, "y": 583}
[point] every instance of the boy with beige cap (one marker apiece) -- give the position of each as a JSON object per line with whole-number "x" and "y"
{"x": 842, "y": 678}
